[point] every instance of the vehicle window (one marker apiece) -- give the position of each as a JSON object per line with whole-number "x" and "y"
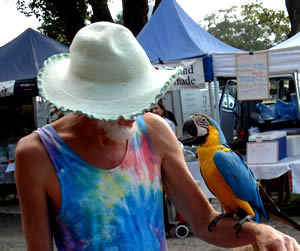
{"x": 228, "y": 101}
{"x": 280, "y": 89}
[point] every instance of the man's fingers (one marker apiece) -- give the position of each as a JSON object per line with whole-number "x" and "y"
{"x": 277, "y": 244}
{"x": 296, "y": 245}
{"x": 291, "y": 244}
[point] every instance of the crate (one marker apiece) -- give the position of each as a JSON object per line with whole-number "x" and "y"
{"x": 280, "y": 136}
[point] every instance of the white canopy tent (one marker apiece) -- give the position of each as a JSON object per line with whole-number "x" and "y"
{"x": 283, "y": 58}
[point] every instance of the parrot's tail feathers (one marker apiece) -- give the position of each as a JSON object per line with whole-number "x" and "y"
{"x": 261, "y": 206}
{"x": 265, "y": 197}
{"x": 274, "y": 212}
{"x": 285, "y": 219}
{"x": 261, "y": 216}
{"x": 265, "y": 220}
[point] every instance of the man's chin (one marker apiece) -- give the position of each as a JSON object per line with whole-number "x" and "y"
{"x": 117, "y": 132}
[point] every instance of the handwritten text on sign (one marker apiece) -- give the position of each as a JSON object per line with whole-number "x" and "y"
{"x": 192, "y": 75}
{"x": 262, "y": 152}
{"x": 252, "y": 76}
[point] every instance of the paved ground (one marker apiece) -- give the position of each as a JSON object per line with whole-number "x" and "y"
{"x": 12, "y": 239}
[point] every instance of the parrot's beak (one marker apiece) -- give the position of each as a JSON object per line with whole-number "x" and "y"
{"x": 189, "y": 129}
{"x": 194, "y": 134}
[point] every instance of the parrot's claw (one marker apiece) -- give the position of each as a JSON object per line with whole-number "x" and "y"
{"x": 213, "y": 223}
{"x": 238, "y": 225}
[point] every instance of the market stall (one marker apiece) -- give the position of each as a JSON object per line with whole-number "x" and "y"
{"x": 171, "y": 37}
{"x": 21, "y": 109}
{"x": 283, "y": 58}
{"x": 17, "y": 120}
{"x": 277, "y": 107}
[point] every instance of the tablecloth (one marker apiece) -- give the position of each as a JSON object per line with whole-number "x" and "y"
{"x": 260, "y": 172}
{"x": 272, "y": 171}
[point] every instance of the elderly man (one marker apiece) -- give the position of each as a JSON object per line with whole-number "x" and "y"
{"x": 93, "y": 179}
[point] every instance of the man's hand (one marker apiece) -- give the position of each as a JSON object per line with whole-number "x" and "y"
{"x": 271, "y": 239}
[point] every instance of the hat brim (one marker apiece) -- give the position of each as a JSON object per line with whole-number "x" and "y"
{"x": 102, "y": 102}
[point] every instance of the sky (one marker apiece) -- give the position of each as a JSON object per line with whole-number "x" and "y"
{"x": 13, "y": 23}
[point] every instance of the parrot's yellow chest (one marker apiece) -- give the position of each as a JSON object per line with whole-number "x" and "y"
{"x": 212, "y": 175}
{"x": 206, "y": 151}
{"x": 206, "y": 154}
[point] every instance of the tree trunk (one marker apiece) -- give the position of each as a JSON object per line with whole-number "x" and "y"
{"x": 293, "y": 8}
{"x": 72, "y": 21}
{"x": 135, "y": 14}
{"x": 100, "y": 11}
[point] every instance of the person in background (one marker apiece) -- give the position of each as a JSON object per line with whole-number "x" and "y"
{"x": 94, "y": 178}
{"x": 170, "y": 114}
{"x": 161, "y": 110}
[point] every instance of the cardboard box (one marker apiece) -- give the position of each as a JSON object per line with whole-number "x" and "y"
{"x": 279, "y": 136}
{"x": 293, "y": 145}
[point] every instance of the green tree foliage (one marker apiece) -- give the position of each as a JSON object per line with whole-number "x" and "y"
{"x": 61, "y": 19}
{"x": 249, "y": 27}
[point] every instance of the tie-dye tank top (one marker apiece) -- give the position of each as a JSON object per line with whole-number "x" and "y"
{"x": 115, "y": 209}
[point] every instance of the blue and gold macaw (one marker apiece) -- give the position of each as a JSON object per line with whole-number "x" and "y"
{"x": 228, "y": 177}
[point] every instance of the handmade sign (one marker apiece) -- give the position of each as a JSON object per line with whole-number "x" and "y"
{"x": 192, "y": 75}
{"x": 252, "y": 71}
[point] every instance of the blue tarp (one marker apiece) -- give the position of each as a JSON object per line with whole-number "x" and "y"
{"x": 171, "y": 34}
{"x": 22, "y": 57}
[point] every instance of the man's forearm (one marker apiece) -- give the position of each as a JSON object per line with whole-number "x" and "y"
{"x": 224, "y": 233}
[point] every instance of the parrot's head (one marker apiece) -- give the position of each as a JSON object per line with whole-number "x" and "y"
{"x": 198, "y": 126}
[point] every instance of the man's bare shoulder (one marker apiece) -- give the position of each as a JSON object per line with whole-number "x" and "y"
{"x": 28, "y": 145}
{"x": 31, "y": 156}
{"x": 154, "y": 122}
{"x": 160, "y": 133}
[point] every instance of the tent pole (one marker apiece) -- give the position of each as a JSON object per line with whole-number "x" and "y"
{"x": 297, "y": 85}
{"x": 211, "y": 101}
{"x": 217, "y": 116}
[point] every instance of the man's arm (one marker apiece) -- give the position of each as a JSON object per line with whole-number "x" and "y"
{"x": 31, "y": 180}
{"x": 192, "y": 204}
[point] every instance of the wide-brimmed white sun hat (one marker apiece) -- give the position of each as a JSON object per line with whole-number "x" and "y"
{"x": 107, "y": 75}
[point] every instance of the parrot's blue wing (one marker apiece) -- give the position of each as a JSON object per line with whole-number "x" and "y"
{"x": 240, "y": 178}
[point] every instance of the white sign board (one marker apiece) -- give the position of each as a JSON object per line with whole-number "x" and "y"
{"x": 262, "y": 152}
{"x": 252, "y": 71}
{"x": 195, "y": 101}
{"x": 192, "y": 75}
